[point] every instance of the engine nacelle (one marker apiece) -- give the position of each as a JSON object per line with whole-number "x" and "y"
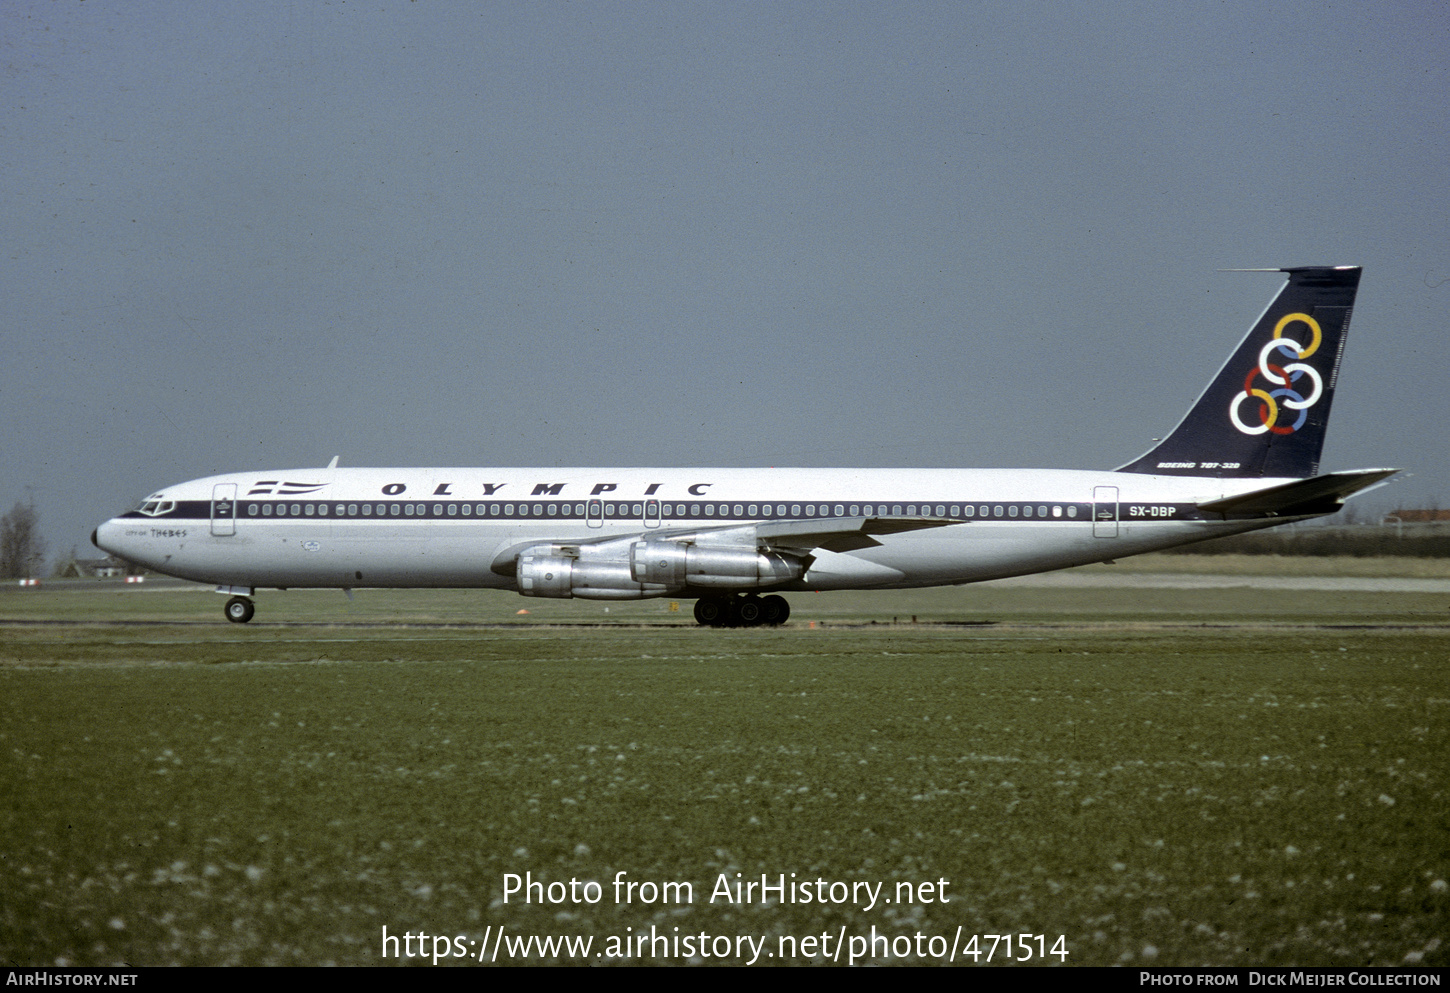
{"x": 562, "y": 577}
{"x": 647, "y": 569}
{"x": 676, "y": 566}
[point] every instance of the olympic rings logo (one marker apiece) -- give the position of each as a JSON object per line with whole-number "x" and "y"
{"x": 1288, "y": 376}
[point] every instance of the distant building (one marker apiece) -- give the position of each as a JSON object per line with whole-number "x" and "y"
{"x": 1418, "y": 516}
{"x": 1412, "y": 521}
{"x": 106, "y": 568}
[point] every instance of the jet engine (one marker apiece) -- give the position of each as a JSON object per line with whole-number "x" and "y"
{"x": 717, "y": 567}
{"x": 648, "y": 569}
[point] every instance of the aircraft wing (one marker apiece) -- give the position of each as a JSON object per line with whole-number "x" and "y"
{"x": 796, "y": 534}
{"x": 794, "y": 537}
{"x": 839, "y": 534}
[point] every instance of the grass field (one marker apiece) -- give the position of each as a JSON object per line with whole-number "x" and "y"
{"x": 1159, "y": 776}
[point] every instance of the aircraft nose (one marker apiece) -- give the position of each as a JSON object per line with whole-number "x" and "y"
{"x": 104, "y": 537}
{"x": 126, "y": 539}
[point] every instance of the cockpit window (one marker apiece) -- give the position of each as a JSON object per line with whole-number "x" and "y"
{"x": 156, "y": 504}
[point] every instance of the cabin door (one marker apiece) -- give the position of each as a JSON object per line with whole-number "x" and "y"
{"x": 1105, "y": 511}
{"x": 224, "y": 509}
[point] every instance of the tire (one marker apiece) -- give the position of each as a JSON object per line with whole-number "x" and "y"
{"x": 774, "y": 610}
{"x": 711, "y": 612}
{"x": 748, "y": 612}
{"x": 239, "y": 610}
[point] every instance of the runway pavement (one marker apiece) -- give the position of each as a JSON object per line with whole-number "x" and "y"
{"x": 1190, "y": 581}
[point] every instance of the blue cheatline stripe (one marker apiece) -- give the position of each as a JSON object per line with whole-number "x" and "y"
{"x": 694, "y": 512}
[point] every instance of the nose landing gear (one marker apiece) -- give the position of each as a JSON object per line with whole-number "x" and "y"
{"x": 746, "y": 611}
{"x": 239, "y": 610}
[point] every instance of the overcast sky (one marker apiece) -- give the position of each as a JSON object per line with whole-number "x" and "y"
{"x": 255, "y": 236}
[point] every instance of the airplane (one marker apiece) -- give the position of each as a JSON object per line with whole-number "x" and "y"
{"x": 1245, "y": 457}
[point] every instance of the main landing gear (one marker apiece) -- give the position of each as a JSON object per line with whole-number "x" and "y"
{"x": 239, "y": 610}
{"x": 741, "y": 611}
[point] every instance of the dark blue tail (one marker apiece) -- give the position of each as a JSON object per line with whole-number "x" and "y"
{"x": 1266, "y": 411}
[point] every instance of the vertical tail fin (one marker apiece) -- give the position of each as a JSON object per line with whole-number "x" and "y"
{"x": 1266, "y": 411}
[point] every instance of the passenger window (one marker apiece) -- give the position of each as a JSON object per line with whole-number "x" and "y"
{"x": 1056, "y": 511}
{"x": 709, "y": 510}
{"x": 896, "y": 509}
{"x": 453, "y": 510}
{"x": 508, "y": 510}
{"x": 638, "y": 509}
{"x": 538, "y": 510}
{"x": 252, "y": 510}
{"x": 1071, "y": 511}
{"x": 956, "y": 511}
{"x": 1027, "y": 511}
{"x": 1012, "y": 511}
{"x": 752, "y": 510}
{"x": 694, "y": 510}
{"x": 1041, "y": 511}
{"x": 739, "y": 510}
{"x": 997, "y": 510}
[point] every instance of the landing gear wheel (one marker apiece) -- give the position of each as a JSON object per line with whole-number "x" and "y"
{"x": 712, "y": 611}
{"x": 748, "y": 612}
{"x": 239, "y": 610}
{"x": 774, "y": 610}
{"x": 741, "y": 611}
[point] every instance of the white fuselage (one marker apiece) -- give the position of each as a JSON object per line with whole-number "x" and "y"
{"x": 1245, "y": 456}
{"x": 439, "y": 527}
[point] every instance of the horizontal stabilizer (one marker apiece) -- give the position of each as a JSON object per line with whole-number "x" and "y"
{"x": 1319, "y": 495}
